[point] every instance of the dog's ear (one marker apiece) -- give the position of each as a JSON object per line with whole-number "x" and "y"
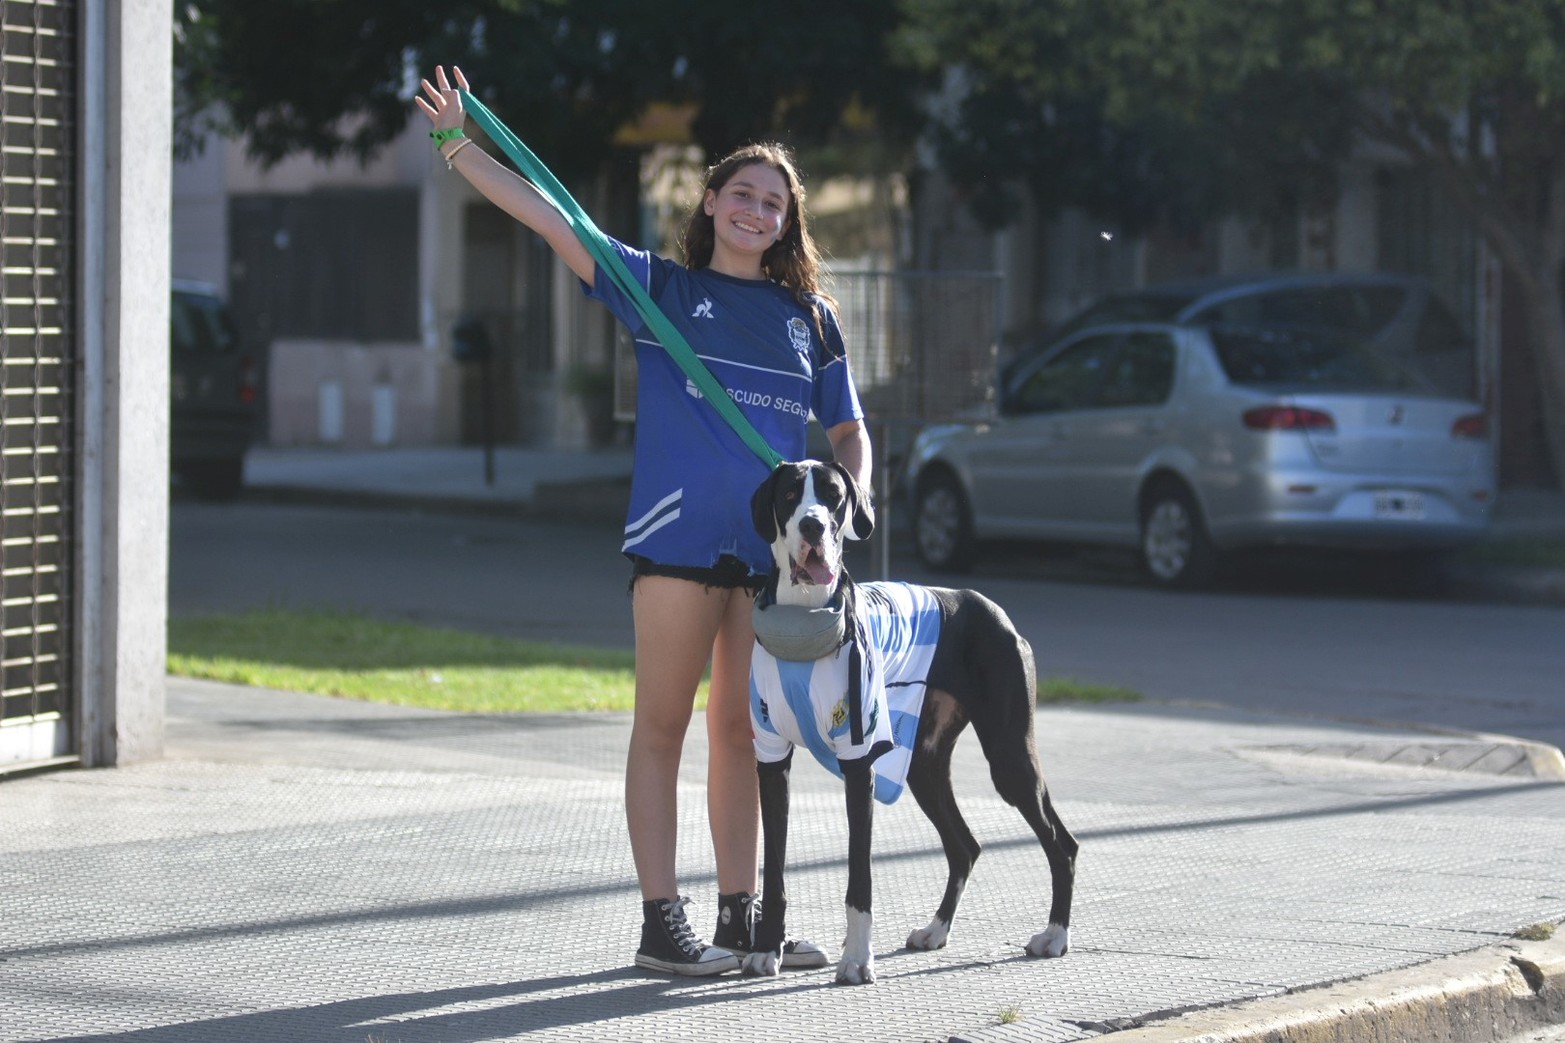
{"x": 861, "y": 510}
{"x": 762, "y": 510}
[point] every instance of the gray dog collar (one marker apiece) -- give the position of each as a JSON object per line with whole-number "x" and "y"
{"x": 797, "y": 634}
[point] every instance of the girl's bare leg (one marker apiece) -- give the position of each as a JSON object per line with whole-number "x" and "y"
{"x": 732, "y": 798}
{"x": 676, "y": 623}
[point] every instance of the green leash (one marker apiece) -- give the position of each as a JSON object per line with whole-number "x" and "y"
{"x": 610, "y": 261}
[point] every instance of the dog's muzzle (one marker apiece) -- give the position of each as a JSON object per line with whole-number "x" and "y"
{"x": 797, "y": 634}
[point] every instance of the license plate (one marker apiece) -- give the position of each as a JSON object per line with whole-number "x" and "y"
{"x": 1396, "y": 505}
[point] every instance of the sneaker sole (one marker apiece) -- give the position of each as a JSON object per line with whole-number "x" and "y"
{"x": 801, "y": 960}
{"x": 694, "y": 970}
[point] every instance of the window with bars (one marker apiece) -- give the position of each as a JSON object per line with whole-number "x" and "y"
{"x": 37, "y": 360}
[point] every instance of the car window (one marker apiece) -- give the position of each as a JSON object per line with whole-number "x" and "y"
{"x": 1357, "y": 309}
{"x": 199, "y": 323}
{"x": 1144, "y": 307}
{"x": 1142, "y": 374}
{"x": 1439, "y": 332}
{"x": 1318, "y": 361}
{"x": 1445, "y": 352}
{"x": 1069, "y": 380}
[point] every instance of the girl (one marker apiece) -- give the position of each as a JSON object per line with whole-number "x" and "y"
{"x": 749, "y": 303}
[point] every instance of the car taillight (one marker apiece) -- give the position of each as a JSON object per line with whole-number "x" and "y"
{"x": 1288, "y": 418}
{"x": 249, "y": 380}
{"x": 1473, "y": 425}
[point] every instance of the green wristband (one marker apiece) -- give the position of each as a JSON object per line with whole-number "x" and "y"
{"x": 443, "y": 136}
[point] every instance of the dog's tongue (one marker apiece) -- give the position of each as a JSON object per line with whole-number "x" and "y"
{"x": 813, "y": 569}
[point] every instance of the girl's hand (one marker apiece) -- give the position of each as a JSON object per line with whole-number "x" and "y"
{"x": 444, "y": 107}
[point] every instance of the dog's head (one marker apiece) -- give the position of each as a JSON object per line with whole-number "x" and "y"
{"x": 806, "y": 510}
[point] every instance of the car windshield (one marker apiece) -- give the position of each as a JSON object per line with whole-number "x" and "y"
{"x": 200, "y": 324}
{"x": 1310, "y": 359}
{"x": 1139, "y": 307}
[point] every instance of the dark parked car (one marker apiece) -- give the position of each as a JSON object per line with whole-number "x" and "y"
{"x": 215, "y": 392}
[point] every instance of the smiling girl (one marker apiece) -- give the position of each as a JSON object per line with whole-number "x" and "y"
{"x": 749, "y": 302}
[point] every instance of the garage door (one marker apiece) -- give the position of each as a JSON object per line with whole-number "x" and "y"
{"x": 37, "y": 400}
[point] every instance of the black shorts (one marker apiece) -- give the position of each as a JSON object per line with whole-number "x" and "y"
{"x": 728, "y": 574}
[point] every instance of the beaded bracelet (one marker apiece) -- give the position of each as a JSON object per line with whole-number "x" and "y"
{"x": 443, "y": 136}
{"x": 449, "y": 156}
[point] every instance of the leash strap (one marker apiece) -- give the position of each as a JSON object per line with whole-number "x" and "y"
{"x": 610, "y": 261}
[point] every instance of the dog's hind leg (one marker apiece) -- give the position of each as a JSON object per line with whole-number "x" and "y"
{"x": 930, "y": 780}
{"x": 1011, "y": 747}
{"x": 857, "y": 966}
{"x": 1061, "y": 848}
{"x": 1024, "y": 788}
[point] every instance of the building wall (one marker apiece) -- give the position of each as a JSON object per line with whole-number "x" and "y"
{"x": 123, "y": 233}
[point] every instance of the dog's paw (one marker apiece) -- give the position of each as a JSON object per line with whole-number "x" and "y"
{"x": 761, "y": 965}
{"x": 856, "y": 972}
{"x": 1055, "y": 941}
{"x": 934, "y": 936}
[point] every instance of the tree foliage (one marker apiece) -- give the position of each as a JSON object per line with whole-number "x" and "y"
{"x": 1148, "y": 111}
{"x": 336, "y": 77}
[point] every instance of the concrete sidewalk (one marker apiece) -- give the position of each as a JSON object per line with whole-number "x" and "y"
{"x": 308, "y": 869}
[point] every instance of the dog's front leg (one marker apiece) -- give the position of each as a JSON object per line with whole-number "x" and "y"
{"x": 857, "y": 966}
{"x": 765, "y": 957}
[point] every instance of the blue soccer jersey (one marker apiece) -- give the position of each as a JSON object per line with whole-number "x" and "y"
{"x": 804, "y": 704}
{"x": 693, "y": 476}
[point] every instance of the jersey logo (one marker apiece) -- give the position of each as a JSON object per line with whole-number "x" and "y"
{"x": 839, "y": 713}
{"x": 691, "y": 389}
{"x": 703, "y": 310}
{"x": 799, "y": 334}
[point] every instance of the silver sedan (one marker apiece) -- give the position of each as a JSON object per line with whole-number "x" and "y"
{"x": 1187, "y": 441}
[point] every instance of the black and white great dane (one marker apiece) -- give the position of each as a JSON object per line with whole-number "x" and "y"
{"x": 982, "y": 672}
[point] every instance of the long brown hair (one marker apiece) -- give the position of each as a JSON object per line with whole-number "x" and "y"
{"x": 794, "y": 261}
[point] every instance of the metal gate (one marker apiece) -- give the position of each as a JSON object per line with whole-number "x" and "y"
{"x": 37, "y": 378}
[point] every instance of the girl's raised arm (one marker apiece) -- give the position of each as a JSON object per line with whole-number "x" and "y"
{"x": 498, "y": 183}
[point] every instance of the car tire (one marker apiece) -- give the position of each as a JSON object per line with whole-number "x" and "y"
{"x": 943, "y": 525}
{"x": 1176, "y": 551}
{"x": 215, "y": 480}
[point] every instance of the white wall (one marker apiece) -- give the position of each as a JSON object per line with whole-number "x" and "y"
{"x": 124, "y": 168}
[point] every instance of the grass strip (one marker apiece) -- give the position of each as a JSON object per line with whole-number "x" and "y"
{"x": 408, "y": 664}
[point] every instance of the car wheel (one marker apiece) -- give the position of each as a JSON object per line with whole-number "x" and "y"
{"x": 1175, "y": 549}
{"x": 942, "y": 526}
{"x": 214, "y": 479}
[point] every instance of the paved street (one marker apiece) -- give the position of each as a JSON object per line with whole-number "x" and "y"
{"x": 1352, "y": 651}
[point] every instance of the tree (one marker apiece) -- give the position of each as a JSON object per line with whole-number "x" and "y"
{"x": 1147, "y": 111}
{"x": 335, "y": 77}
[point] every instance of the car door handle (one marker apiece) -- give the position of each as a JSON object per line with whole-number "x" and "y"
{"x": 1059, "y": 431}
{"x": 1153, "y": 427}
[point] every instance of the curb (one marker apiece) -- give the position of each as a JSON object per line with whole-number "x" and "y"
{"x": 600, "y": 501}
{"x": 1483, "y": 754}
{"x": 1484, "y": 996}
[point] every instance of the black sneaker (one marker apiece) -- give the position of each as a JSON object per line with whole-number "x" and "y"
{"x": 668, "y": 943}
{"x": 737, "y": 915}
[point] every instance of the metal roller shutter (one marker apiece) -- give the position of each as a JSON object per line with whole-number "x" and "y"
{"x": 37, "y": 378}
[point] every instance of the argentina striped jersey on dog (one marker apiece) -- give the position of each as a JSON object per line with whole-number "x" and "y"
{"x": 803, "y": 704}
{"x": 689, "y": 498}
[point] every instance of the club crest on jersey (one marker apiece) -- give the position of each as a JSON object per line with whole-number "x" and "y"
{"x": 691, "y": 389}
{"x": 799, "y": 334}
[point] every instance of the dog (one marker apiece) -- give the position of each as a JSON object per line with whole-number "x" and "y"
{"x": 966, "y": 660}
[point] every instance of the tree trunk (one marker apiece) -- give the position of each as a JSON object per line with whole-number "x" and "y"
{"x": 1546, "y": 320}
